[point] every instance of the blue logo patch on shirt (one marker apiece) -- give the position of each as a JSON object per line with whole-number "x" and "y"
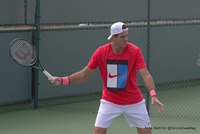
{"x": 117, "y": 72}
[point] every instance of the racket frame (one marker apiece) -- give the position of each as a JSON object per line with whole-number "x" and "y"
{"x": 41, "y": 68}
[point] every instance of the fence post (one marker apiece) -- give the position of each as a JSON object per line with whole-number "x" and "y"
{"x": 37, "y": 41}
{"x": 148, "y": 49}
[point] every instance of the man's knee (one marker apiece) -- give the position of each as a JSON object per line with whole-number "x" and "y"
{"x": 99, "y": 130}
{"x": 144, "y": 131}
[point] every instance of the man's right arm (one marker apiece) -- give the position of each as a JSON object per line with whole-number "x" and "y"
{"x": 75, "y": 78}
{"x": 80, "y": 76}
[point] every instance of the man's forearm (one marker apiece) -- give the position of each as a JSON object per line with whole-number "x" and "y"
{"x": 149, "y": 83}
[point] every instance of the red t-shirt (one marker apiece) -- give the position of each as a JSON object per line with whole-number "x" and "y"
{"x": 119, "y": 73}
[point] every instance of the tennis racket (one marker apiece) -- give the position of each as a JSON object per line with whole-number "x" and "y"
{"x": 25, "y": 53}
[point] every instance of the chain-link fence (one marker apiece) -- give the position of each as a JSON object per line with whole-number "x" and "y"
{"x": 166, "y": 32}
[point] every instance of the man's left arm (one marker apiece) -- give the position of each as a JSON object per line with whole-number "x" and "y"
{"x": 149, "y": 83}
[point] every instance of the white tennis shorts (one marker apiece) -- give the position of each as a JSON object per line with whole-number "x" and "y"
{"x": 135, "y": 114}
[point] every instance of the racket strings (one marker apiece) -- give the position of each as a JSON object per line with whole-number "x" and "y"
{"x": 23, "y": 52}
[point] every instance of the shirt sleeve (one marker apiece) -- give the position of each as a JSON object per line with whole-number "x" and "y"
{"x": 140, "y": 63}
{"x": 93, "y": 63}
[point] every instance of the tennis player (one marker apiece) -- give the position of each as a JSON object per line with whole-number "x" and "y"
{"x": 118, "y": 63}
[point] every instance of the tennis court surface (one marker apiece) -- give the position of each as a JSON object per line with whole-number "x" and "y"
{"x": 51, "y": 122}
{"x": 178, "y": 117}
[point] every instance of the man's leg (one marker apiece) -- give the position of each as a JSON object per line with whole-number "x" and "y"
{"x": 143, "y": 131}
{"x": 99, "y": 130}
{"x": 137, "y": 116}
{"x": 106, "y": 114}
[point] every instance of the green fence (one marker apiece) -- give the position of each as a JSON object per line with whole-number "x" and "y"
{"x": 68, "y": 33}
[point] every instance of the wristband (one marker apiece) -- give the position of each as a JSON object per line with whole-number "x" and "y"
{"x": 152, "y": 92}
{"x": 65, "y": 80}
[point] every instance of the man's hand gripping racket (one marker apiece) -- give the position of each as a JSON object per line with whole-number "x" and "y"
{"x": 25, "y": 53}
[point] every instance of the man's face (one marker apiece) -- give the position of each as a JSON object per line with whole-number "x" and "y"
{"x": 121, "y": 39}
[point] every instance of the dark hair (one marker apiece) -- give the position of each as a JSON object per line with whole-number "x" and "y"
{"x": 123, "y": 27}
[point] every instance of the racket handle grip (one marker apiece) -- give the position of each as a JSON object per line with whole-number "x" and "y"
{"x": 48, "y": 74}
